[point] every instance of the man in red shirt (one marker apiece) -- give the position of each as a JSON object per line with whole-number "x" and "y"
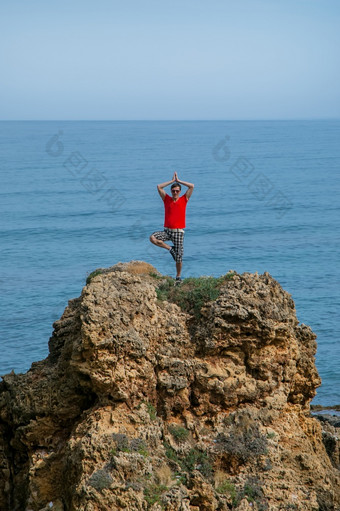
{"x": 174, "y": 221}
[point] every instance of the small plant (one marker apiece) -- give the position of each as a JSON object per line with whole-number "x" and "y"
{"x": 153, "y": 493}
{"x": 193, "y": 460}
{"x": 228, "y": 488}
{"x": 181, "y": 478}
{"x": 193, "y": 293}
{"x": 124, "y": 445}
{"x": 171, "y": 453}
{"x": 151, "y": 411}
{"x": 138, "y": 445}
{"x": 229, "y": 276}
{"x": 179, "y": 433}
{"x": 122, "y": 442}
{"x": 143, "y": 452}
{"x": 137, "y": 486}
{"x": 243, "y": 444}
{"x": 198, "y": 460}
{"x": 252, "y": 491}
{"x": 93, "y": 274}
{"x": 163, "y": 291}
{"x": 100, "y": 480}
{"x": 156, "y": 276}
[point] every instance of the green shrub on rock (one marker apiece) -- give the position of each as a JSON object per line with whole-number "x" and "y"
{"x": 193, "y": 293}
{"x": 100, "y": 480}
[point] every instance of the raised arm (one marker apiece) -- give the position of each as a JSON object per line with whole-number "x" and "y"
{"x": 161, "y": 186}
{"x": 184, "y": 183}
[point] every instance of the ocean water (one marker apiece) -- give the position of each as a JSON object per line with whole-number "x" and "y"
{"x": 76, "y": 196}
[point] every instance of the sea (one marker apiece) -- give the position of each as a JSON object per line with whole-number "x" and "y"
{"x": 76, "y": 196}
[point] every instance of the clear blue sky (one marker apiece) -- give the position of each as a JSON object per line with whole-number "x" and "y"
{"x": 170, "y": 59}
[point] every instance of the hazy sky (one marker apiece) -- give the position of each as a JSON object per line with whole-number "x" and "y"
{"x": 178, "y": 59}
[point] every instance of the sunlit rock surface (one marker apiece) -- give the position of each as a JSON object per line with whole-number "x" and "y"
{"x": 141, "y": 405}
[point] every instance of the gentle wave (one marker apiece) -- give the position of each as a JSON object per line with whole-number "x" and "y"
{"x": 56, "y": 225}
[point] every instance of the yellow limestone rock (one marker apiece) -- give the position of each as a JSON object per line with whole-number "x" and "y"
{"x": 144, "y": 403}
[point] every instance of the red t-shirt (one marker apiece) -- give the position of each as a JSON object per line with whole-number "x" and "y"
{"x": 175, "y": 212}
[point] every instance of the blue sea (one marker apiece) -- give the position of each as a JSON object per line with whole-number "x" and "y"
{"x": 76, "y": 196}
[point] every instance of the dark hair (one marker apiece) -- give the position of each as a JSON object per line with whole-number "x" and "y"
{"x": 176, "y": 184}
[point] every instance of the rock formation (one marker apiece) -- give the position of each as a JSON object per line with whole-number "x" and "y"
{"x": 143, "y": 404}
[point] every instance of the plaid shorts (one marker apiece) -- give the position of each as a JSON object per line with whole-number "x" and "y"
{"x": 177, "y": 238}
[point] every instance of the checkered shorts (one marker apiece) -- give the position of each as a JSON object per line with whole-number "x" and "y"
{"x": 177, "y": 238}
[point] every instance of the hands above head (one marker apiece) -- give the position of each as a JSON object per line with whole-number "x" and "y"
{"x": 175, "y": 178}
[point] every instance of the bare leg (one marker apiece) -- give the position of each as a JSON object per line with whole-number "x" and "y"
{"x": 159, "y": 243}
{"x": 178, "y": 268}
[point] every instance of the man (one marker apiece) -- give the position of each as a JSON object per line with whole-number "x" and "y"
{"x": 174, "y": 222}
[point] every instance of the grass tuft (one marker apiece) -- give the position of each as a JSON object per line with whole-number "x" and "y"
{"x": 195, "y": 459}
{"x": 92, "y": 275}
{"x": 153, "y": 493}
{"x": 193, "y": 293}
{"x": 100, "y": 480}
{"x": 179, "y": 433}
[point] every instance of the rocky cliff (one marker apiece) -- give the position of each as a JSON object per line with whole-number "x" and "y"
{"x": 194, "y": 398}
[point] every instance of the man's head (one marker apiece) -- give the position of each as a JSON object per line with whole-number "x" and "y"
{"x": 175, "y": 189}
